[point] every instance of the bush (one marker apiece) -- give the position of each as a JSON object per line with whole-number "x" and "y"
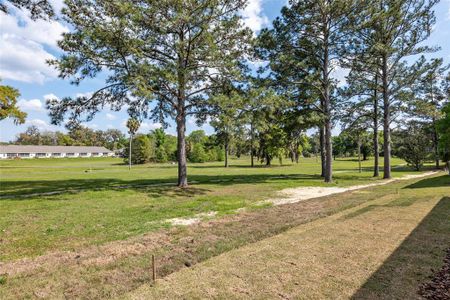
{"x": 141, "y": 150}
{"x": 413, "y": 146}
{"x": 307, "y": 154}
{"x": 170, "y": 146}
{"x": 161, "y": 155}
{"x": 198, "y": 154}
{"x": 220, "y": 154}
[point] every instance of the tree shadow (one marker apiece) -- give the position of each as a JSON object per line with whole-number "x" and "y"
{"x": 401, "y": 169}
{"x": 440, "y": 181}
{"x": 256, "y": 166}
{"x": 412, "y": 262}
{"x": 21, "y": 190}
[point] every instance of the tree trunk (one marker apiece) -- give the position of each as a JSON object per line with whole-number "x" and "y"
{"x": 226, "y": 153}
{"x": 386, "y": 122}
{"x": 435, "y": 132}
{"x": 436, "y": 144}
{"x": 376, "y": 154}
{"x": 251, "y": 145}
{"x": 129, "y": 153}
{"x": 327, "y": 112}
{"x": 181, "y": 149}
{"x": 268, "y": 160}
{"x": 322, "y": 150}
{"x": 359, "y": 156}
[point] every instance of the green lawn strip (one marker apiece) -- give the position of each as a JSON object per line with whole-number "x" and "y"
{"x": 189, "y": 245}
{"x": 24, "y": 177}
{"x": 36, "y": 225}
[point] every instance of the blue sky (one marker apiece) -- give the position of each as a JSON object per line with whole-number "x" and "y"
{"x": 25, "y": 45}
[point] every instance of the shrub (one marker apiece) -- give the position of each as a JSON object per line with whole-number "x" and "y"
{"x": 141, "y": 150}
{"x": 161, "y": 155}
{"x": 413, "y": 146}
{"x": 198, "y": 154}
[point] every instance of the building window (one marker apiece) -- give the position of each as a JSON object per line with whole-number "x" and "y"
{"x": 70, "y": 154}
{"x": 83, "y": 154}
{"x": 24, "y": 154}
{"x": 11, "y": 154}
{"x": 56, "y": 154}
{"x": 41, "y": 154}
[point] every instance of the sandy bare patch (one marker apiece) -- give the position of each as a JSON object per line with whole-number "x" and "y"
{"x": 293, "y": 195}
{"x": 193, "y": 220}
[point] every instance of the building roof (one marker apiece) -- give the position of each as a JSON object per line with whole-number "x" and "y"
{"x": 52, "y": 149}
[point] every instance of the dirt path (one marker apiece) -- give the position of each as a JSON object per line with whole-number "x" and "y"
{"x": 380, "y": 249}
{"x": 294, "y": 195}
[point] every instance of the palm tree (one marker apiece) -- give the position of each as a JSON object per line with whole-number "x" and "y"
{"x": 133, "y": 126}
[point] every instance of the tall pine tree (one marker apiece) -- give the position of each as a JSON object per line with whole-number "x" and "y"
{"x": 161, "y": 58}
{"x": 307, "y": 40}
{"x": 400, "y": 26}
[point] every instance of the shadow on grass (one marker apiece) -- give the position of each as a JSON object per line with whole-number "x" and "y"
{"x": 395, "y": 169}
{"x": 19, "y": 190}
{"x": 411, "y": 263}
{"x": 440, "y": 181}
{"x": 256, "y": 166}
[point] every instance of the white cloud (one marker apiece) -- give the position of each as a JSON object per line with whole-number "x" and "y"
{"x": 30, "y": 105}
{"x": 23, "y": 43}
{"x": 57, "y": 5}
{"x": 253, "y": 15}
{"x": 191, "y": 121}
{"x": 339, "y": 74}
{"x": 50, "y": 96}
{"x": 40, "y": 31}
{"x": 24, "y": 60}
{"x": 147, "y": 126}
{"x": 110, "y": 116}
{"x": 87, "y": 95}
{"x": 41, "y": 125}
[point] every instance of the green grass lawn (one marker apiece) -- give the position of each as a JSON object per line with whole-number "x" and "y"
{"x": 101, "y": 200}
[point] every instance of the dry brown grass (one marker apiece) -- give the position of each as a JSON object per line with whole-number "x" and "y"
{"x": 381, "y": 249}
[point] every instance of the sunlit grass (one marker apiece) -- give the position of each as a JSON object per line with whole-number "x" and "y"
{"x": 100, "y": 200}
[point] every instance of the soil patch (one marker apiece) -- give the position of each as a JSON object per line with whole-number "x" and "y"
{"x": 439, "y": 286}
{"x": 294, "y": 195}
{"x": 189, "y": 221}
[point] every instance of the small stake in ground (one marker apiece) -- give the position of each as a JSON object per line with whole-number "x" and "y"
{"x": 153, "y": 269}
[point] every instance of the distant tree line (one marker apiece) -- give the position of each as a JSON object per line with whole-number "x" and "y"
{"x": 112, "y": 139}
{"x": 158, "y": 146}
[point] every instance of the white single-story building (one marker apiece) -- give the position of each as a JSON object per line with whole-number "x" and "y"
{"x": 31, "y": 151}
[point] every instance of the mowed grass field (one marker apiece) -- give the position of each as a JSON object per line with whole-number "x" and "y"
{"x": 383, "y": 248}
{"x": 95, "y": 236}
{"x": 100, "y": 200}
